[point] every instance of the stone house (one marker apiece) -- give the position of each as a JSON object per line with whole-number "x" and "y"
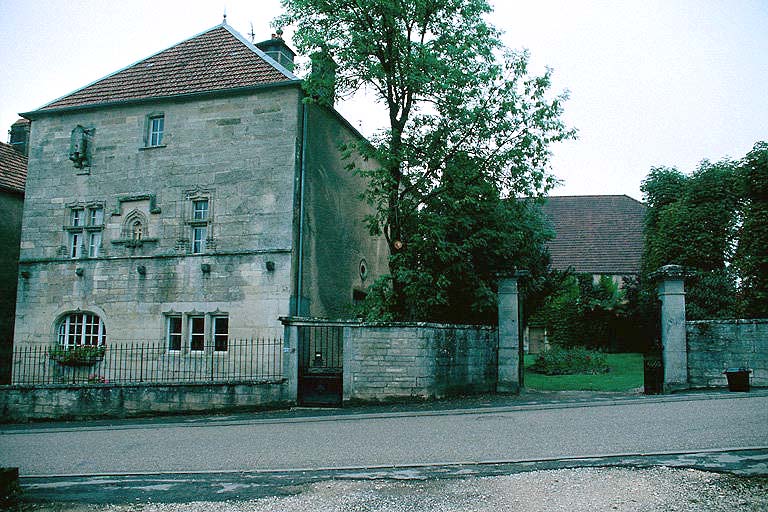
{"x": 190, "y": 198}
{"x": 13, "y": 174}
{"x": 599, "y": 235}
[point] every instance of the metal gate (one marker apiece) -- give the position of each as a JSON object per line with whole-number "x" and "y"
{"x": 320, "y": 365}
{"x": 653, "y": 363}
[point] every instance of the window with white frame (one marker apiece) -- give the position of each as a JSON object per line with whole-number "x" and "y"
{"x": 200, "y": 210}
{"x": 94, "y": 243}
{"x": 79, "y": 329}
{"x": 75, "y": 244}
{"x": 155, "y": 130}
{"x": 173, "y": 332}
{"x": 199, "y": 234}
{"x": 86, "y": 225}
{"x": 220, "y": 333}
{"x": 197, "y": 333}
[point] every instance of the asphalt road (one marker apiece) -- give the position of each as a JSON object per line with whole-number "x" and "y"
{"x": 441, "y": 437}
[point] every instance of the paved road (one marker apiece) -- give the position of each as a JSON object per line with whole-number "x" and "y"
{"x": 425, "y": 438}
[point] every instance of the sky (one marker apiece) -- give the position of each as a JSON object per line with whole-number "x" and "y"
{"x": 651, "y": 82}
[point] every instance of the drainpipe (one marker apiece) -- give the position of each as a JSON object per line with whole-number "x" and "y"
{"x": 302, "y": 172}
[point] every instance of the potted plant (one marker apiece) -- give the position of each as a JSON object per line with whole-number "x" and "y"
{"x": 82, "y": 355}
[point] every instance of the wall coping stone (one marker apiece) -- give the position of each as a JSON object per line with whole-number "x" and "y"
{"x": 72, "y": 387}
{"x": 734, "y": 321}
{"x": 308, "y": 321}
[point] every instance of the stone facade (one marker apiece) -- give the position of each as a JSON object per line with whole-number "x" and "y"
{"x": 714, "y": 345}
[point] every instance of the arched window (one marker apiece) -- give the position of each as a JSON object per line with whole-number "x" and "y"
{"x": 77, "y": 329}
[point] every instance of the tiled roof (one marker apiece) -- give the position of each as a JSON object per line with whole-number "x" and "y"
{"x": 218, "y": 59}
{"x": 596, "y": 234}
{"x": 13, "y": 169}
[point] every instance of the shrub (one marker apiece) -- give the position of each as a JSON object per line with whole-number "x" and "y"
{"x": 562, "y": 361}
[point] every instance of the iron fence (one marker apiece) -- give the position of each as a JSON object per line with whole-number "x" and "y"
{"x": 246, "y": 360}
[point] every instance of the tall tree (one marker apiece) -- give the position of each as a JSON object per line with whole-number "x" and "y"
{"x": 449, "y": 88}
{"x": 751, "y": 258}
{"x": 692, "y": 222}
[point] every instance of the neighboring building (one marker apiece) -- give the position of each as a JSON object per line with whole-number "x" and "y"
{"x": 189, "y": 198}
{"x": 13, "y": 175}
{"x": 599, "y": 235}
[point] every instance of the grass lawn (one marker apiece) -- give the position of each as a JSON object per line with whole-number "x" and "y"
{"x": 626, "y": 373}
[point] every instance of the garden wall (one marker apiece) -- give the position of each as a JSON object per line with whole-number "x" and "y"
{"x": 20, "y": 403}
{"x": 714, "y": 345}
{"x": 391, "y": 361}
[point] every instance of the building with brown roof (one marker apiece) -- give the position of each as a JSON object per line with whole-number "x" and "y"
{"x": 13, "y": 175}
{"x": 600, "y": 235}
{"x": 190, "y": 198}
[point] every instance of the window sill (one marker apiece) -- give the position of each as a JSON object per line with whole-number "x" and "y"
{"x": 144, "y": 148}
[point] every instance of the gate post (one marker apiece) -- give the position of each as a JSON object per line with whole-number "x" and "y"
{"x": 290, "y": 360}
{"x": 509, "y": 373}
{"x": 671, "y": 291}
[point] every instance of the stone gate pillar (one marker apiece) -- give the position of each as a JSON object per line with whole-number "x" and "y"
{"x": 290, "y": 359}
{"x": 509, "y": 377}
{"x": 671, "y": 291}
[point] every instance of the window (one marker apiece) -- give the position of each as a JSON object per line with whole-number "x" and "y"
{"x": 200, "y": 209}
{"x": 75, "y": 245}
{"x": 94, "y": 243}
{"x": 77, "y": 218}
{"x": 174, "y": 333}
{"x": 78, "y": 329}
{"x": 196, "y": 333}
{"x": 198, "y": 239}
{"x": 86, "y": 225}
{"x": 95, "y": 216}
{"x": 156, "y": 128}
{"x": 220, "y": 333}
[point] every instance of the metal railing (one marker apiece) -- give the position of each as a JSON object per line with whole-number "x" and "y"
{"x": 246, "y": 360}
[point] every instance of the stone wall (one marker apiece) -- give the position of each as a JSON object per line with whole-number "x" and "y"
{"x": 55, "y": 402}
{"x": 390, "y": 361}
{"x": 714, "y": 345}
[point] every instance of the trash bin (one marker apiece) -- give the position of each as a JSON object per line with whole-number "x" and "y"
{"x": 738, "y": 379}
{"x": 653, "y": 374}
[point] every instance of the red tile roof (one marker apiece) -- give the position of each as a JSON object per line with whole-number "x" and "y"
{"x": 218, "y": 59}
{"x": 596, "y": 234}
{"x": 13, "y": 169}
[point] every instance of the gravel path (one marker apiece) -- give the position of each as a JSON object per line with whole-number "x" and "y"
{"x": 571, "y": 490}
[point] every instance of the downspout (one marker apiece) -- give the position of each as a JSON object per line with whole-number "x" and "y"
{"x": 302, "y": 172}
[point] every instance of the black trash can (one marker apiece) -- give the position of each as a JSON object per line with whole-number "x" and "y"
{"x": 738, "y": 379}
{"x": 653, "y": 374}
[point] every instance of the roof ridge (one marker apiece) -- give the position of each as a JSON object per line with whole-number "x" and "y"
{"x": 288, "y": 74}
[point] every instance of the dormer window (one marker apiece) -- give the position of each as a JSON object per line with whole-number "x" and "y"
{"x": 155, "y": 130}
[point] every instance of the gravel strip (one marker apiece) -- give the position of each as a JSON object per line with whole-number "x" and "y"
{"x": 571, "y": 490}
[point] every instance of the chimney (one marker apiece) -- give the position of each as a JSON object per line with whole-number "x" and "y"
{"x": 20, "y": 136}
{"x": 322, "y": 79}
{"x": 278, "y": 50}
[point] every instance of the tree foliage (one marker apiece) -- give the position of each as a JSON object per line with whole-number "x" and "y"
{"x": 453, "y": 96}
{"x": 751, "y": 257}
{"x": 714, "y": 223}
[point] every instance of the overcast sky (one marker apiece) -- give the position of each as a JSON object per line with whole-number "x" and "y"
{"x": 652, "y": 82}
